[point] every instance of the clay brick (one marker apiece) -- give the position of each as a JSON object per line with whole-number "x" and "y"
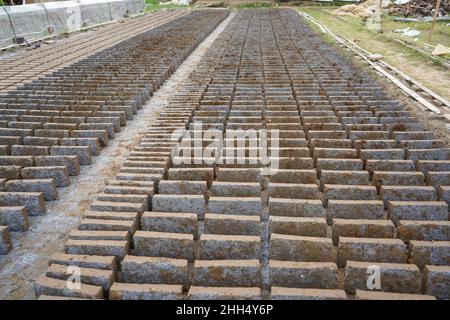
{"x": 344, "y": 177}
{"x": 49, "y": 286}
{"x": 300, "y": 226}
{"x": 5, "y": 241}
{"x": 85, "y": 261}
{"x": 178, "y": 203}
{"x": 94, "y": 277}
{"x": 235, "y": 205}
{"x": 389, "y": 165}
{"x": 235, "y": 189}
{"x": 46, "y": 186}
{"x": 158, "y": 270}
{"x": 182, "y": 187}
{"x": 355, "y": 209}
{"x": 16, "y": 218}
{"x": 423, "y": 230}
{"x": 239, "y": 174}
{"x": 179, "y": 222}
{"x": 407, "y": 193}
{"x": 219, "y": 247}
{"x": 322, "y": 275}
{"x": 371, "y": 250}
{"x": 294, "y": 176}
{"x": 161, "y": 244}
{"x": 133, "y": 291}
{"x": 98, "y": 235}
{"x": 437, "y": 281}
{"x": 191, "y": 174}
{"x": 107, "y": 225}
{"x": 232, "y": 224}
{"x": 33, "y": 201}
{"x": 97, "y": 247}
{"x": 362, "y": 228}
{"x": 281, "y": 293}
{"x": 429, "y": 252}
{"x": 293, "y": 191}
{"x": 227, "y": 273}
{"x": 349, "y": 192}
{"x": 295, "y": 207}
{"x": 401, "y": 278}
{"x": 71, "y": 162}
{"x": 375, "y": 295}
{"x": 418, "y": 210}
{"x": 59, "y": 174}
{"x": 223, "y": 293}
{"x": 400, "y": 178}
{"x": 299, "y": 248}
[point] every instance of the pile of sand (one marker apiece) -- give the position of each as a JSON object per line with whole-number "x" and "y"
{"x": 363, "y": 10}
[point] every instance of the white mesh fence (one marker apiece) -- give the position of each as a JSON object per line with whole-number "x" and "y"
{"x": 36, "y": 21}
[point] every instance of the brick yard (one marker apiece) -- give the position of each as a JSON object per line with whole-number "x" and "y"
{"x": 354, "y": 182}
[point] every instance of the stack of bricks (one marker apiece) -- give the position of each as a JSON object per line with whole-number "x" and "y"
{"x": 50, "y": 127}
{"x": 360, "y": 184}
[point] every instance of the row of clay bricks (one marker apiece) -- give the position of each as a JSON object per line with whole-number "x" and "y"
{"x": 394, "y": 180}
{"x": 31, "y": 65}
{"x": 141, "y": 157}
{"x": 155, "y": 246}
{"x": 28, "y": 181}
{"x": 82, "y": 40}
{"x": 211, "y": 221}
{"x": 187, "y": 189}
{"x": 291, "y": 189}
{"x": 115, "y": 196}
{"x": 82, "y": 108}
{"x": 231, "y": 247}
{"x": 107, "y": 229}
{"x": 164, "y": 278}
{"x": 342, "y": 104}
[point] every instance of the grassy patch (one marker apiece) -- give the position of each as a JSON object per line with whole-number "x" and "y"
{"x": 354, "y": 28}
{"x": 255, "y": 5}
{"x": 441, "y": 32}
{"x": 318, "y": 4}
{"x": 155, "y": 5}
{"x": 407, "y": 60}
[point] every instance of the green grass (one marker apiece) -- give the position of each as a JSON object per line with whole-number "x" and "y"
{"x": 441, "y": 32}
{"x": 413, "y": 63}
{"x": 353, "y": 27}
{"x": 154, "y": 5}
{"x": 317, "y": 4}
{"x": 255, "y": 5}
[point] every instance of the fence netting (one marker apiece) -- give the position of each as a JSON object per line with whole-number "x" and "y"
{"x": 39, "y": 20}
